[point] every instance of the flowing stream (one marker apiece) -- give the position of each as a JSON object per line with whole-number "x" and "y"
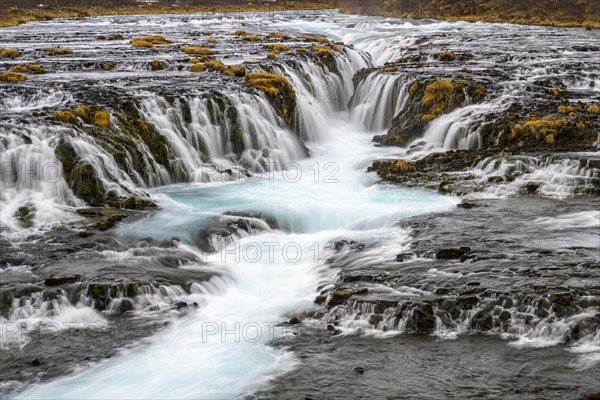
{"x": 291, "y": 198}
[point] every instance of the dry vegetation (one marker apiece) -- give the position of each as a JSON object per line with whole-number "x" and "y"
{"x": 14, "y": 12}
{"x": 531, "y": 12}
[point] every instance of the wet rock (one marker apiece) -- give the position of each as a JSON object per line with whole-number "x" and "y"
{"x": 56, "y": 280}
{"x": 359, "y": 370}
{"x": 341, "y": 295}
{"x": 421, "y": 319}
{"x": 467, "y": 204}
{"x": 532, "y": 187}
{"x": 294, "y": 321}
{"x": 181, "y": 304}
{"x": 453, "y": 253}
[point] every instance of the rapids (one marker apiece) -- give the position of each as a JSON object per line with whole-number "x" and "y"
{"x": 252, "y": 228}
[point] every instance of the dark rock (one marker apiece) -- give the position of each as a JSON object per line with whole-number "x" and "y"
{"x": 294, "y": 321}
{"x": 359, "y": 370}
{"x": 56, "y": 280}
{"x": 35, "y": 362}
{"x": 453, "y": 253}
{"x": 180, "y": 305}
{"x": 467, "y": 204}
{"x": 532, "y": 187}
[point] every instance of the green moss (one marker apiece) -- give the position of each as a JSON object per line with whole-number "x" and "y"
{"x": 413, "y": 88}
{"x": 390, "y": 69}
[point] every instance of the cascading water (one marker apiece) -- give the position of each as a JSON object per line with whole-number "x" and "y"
{"x": 258, "y": 219}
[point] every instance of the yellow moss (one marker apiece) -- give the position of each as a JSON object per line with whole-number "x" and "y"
{"x": 403, "y": 166}
{"x": 255, "y": 38}
{"x": 413, "y": 88}
{"x": 271, "y": 55}
{"x": 65, "y": 116}
{"x": 437, "y": 96}
{"x": 539, "y": 126}
{"x": 157, "y": 65}
{"x": 9, "y": 53}
{"x": 335, "y": 47}
{"x": 301, "y": 50}
{"x": 109, "y": 66}
{"x": 144, "y": 129}
{"x": 140, "y": 43}
{"x": 83, "y": 112}
{"x": 212, "y": 40}
{"x": 214, "y": 65}
{"x": 249, "y": 62}
{"x": 275, "y": 35}
{"x": 448, "y": 56}
{"x": 35, "y": 68}
{"x": 12, "y": 77}
{"x": 550, "y": 139}
{"x": 193, "y": 60}
{"x": 19, "y": 68}
{"x": 277, "y": 48}
{"x": 313, "y": 39}
{"x": 234, "y": 70}
{"x": 57, "y": 50}
{"x": 566, "y": 109}
{"x": 555, "y": 91}
{"x": 322, "y": 51}
{"x": 240, "y": 32}
{"x": 593, "y": 109}
{"x": 149, "y": 41}
{"x": 201, "y": 51}
{"x": 101, "y": 119}
{"x": 196, "y": 68}
{"x": 270, "y": 84}
{"x": 390, "y": 69}
{"x": 428, "y": 117}
{"x": 478, "y": 92}
{"x": 580, "y": 125}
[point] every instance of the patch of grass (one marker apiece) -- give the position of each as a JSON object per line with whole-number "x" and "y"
{"x": 413, "y": 88}
{"x": 65, "y": 116}
{"x": 193, "y": 60}
{"x": 12, "y": 77}
{"x": 437, "y": 97}
{"x": 594, "y": 109}
{"x": 35, "y": 68}
{"x": 157, "y": 65}
{"x": 404, "y": 166}
{"x": 101, "y": 119}
{"x": 9, "y": 53}
{"x": 447, "y": 56}
{"x": 83, "y": 112}
{"x": 234, "y": 70}
{"x": 196, "y": 67}
{"x": 323, "y": 52}
{"x": 149, "y": 41}
{"x": 566, "y": 109}
{"x": 58, "y": 50}
{"x": 277, "y": 48}
{"x": 271, "y": 84}
{"x": 215, "y": 65}
{"x": 314, "y": 39}
{"x": 199, "y": 51}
